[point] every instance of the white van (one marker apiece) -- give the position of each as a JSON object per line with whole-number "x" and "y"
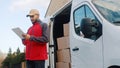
{"x": 94, "y": 33}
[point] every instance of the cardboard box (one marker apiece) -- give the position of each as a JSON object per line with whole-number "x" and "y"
{"x": 64, "y": 55}
{"x": 66, "y": 29}
{"x": 63, "y": 43}
{"x": 62, "y": 65}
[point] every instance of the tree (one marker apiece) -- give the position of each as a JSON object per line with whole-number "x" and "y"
{"x": 10, "y": 52}
{"x": 13, "y": 58}
{"x": 8, "y": 59}
{"x": 18, "y": 51}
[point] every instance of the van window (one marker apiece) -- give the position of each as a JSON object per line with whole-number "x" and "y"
{"x": 110, "y": 9}
{"x": 89, "y": 13}
{"x": 79, "y": 14}
{"x": 86, "y": 23}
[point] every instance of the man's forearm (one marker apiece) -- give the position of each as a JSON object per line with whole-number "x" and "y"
{"x": 43, "y": 39}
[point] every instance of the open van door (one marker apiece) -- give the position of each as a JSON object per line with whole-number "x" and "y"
{"x": 86, "y": 42}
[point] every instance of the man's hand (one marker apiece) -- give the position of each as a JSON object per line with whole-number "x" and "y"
{"x": 26, "y": 36}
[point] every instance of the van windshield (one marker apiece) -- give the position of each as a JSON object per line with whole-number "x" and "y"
{"x": 110, "y": 9}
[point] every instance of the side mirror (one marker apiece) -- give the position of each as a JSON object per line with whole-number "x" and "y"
{"x": 88, "y": 27}
{"x": 94, "y": 23}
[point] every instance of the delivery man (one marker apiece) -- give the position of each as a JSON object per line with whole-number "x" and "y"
{"x": 35, "y": 41}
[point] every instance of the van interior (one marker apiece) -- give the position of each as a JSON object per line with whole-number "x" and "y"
{"x": 62, "y": 18}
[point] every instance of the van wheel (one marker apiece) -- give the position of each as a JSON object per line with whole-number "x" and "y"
{"x": 114, "y": 66}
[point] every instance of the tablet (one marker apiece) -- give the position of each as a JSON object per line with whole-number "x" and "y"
{"x": 18, "y": 32}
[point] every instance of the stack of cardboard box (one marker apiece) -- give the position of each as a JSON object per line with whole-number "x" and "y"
{"x": 63, "y": 53}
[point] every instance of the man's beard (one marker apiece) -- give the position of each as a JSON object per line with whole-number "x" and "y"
{"x": 33, "y": 22}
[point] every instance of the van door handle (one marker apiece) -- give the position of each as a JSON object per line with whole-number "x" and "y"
{"x": 75, "y": 49}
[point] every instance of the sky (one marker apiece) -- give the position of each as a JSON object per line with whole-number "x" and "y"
{"x": 13, "y": 14}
